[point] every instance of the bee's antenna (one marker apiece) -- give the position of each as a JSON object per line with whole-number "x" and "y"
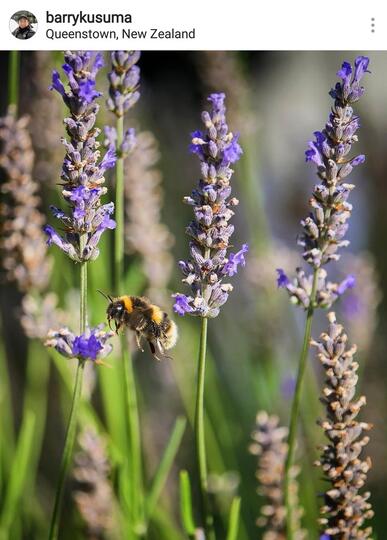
{"x": 107, "y": 296}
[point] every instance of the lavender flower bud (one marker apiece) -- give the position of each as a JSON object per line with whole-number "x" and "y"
{"x": 83, "y": 170}
{"x": 210, "y": 231}
{"x": 270, "y": 447}
{"x": 91, "y": 345}
{"x": 326, "y": 226}
{"x": 300, "y": 289}
{"x": 124, "y": 79}
{"x": 346, "y": 509}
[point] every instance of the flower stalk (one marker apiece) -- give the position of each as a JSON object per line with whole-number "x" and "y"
{"x": 119, "y": 232}
{"x": 210, "y": 263}
{"x": 13, "y": 82}
{"x": 346, "y": 507}
{"x": 72, "y": 424}
{"x": 295, "y": 410}
{"x": 200, "y": 434}
{"x": 67, "y": 450}
{"x": 123, "y": 94}
{"x": 82, "y": 178}
{"x": 324, "y": 229}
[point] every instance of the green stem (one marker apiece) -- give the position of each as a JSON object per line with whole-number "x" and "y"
{"x": 72, "y": 424}
{"x": 135, "y": 459}
{"x": 295, "y": 411}
{"x": 13, "y": 81}
{"x": 119, "y": 231}
{"x": 199, "y": 433}
{"x": 134, "y": 439}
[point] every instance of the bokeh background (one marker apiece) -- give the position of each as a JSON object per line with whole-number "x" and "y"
{"x": 275, "y": 100}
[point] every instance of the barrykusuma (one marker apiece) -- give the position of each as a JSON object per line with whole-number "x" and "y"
{"x": 90, "y": 18}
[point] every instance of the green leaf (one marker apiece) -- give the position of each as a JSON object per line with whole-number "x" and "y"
{"x": 163, "y": 526}
{"x": 186, "y": 504}
{"x": 233, "y": 523}
{"x": 87, "y": 415}
{"x": 18, "y": 474}
{"x": 7, "y": 436}
{"x": 165, "y": 465}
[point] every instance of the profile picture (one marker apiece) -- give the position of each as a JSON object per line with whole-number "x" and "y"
{"x": 23, "y": 24}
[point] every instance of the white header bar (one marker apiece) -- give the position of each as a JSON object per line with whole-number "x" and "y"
{"x": 198, "y": 25}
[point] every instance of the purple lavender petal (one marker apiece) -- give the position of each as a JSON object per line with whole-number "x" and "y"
{"x": 235, "y": 259}
{"x": 282, "y": 278}
{"x": 348, "y": 283}
{"x": 182, "y": 304}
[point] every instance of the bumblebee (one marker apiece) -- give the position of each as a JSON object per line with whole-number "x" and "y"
{"x": 145, "y": 319}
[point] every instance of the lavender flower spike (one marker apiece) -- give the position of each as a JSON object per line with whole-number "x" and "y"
{"x": 83, "y": 170}
{"x": 345, "y": 509}
{"x": 123, "y": 94}
{"x": 325, "y": 228}
{"x": 124, "y": 79}
{"x": 269, "y": 444}
{"x": 210, "y": 231}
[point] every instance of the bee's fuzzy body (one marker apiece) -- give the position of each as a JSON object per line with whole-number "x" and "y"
{"x": 145, "y": 319}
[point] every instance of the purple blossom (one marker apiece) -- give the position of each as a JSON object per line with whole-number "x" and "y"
{"x": 361, "y": 65}
{"x": 349, "y": 89}
{"x": 55, "y": 238}
{"x": 87, "y": 346}
{"x": 233, "y": 151}
{"x": 81, "y": 68}
{"x": 315, "y": 149}
{"x": 348, "y": 283}
{"x": 358, "y": 160}
{"x": 91, "y": 345}
{"x": 87, "y": 91}
{"x": 107, "y": 222}
{"x": 182, "y": 304}
{"x": 217, "y": 100}
{"x": 282, "y": 278}
{"x": 57, "y": 83}
{"x": 210, "y": 231}
{"x": 196, "y": 147}
{"x": 109, "y": 160}
{"x": 234, "y": 259}
{"x": 345, "y": 73}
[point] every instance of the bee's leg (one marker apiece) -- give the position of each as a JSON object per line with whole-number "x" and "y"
{"x": 153, "y": 351}
{"x": 117, "y": 325}
{"x": 138, "y": 341}
{"x": 162, "y": 350}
